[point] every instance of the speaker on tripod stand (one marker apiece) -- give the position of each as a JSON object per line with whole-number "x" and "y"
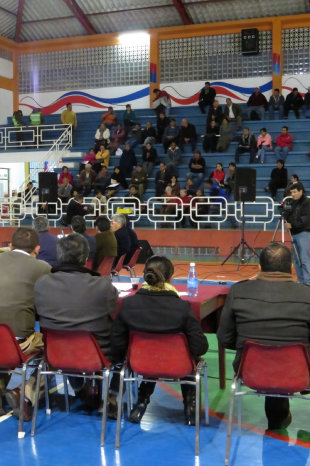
{"x": 245, "y": 191}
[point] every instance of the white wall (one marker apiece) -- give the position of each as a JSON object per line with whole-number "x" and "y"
{"x": 6, "y": 68}
{"x": 301, "y": 81}
{"x": 16, "y": 174}
{"x": 6, "y": 105}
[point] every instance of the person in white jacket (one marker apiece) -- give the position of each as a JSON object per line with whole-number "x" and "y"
{"x": 102, "y": 136}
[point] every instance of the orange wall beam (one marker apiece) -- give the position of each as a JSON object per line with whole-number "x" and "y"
{"x": 154, "y": 64}
{"x": 277, "y": 54}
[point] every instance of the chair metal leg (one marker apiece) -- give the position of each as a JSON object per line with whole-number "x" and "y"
{"x": 105, "y": 391}
{"x": 65, "y": 379}
{"x": 119, "y": 406}
{"x": 128, "y": 393}
{"x": 47, "y": 399}
{"x": 205, "y": 383}
{"x": 21, "y": 433}
{"x": 130, "y": 271}
{"x": 134, "y": 271}
{"x": 197, "y": 412}
{"x": 239, "y": 404}
{"x": 230, "y": 419}
{"x": 37, "y": 394}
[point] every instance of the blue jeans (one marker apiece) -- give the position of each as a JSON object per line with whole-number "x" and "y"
{"x": 258, "y": 109}
{"x": 281, "y": 152}
{"x": 197, "y": 179}
{"x": 272, "y": 110}
{"x": 302, "y": 243}
{"x": 261, "y": 153}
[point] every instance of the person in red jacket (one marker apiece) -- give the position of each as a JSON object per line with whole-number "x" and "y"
{"x": 219, "y": 174}
{"x": 284, "y": 144}
{"x": 65, "y": 174}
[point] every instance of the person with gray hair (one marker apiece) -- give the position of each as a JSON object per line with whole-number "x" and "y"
{"x": 118, "y": 226}
{"x": 48, "y": 241}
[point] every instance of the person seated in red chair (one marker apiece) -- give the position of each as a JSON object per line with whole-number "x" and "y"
{"x": 119, "y": 228}
{"x": 157, "y": 308}
{"x": 271, "y": 310}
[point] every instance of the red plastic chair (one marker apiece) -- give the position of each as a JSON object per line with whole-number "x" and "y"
{"x": 277, "y": 371}
{"x": 118, "y": 267}
{"x": 72, "y": 354}
{"x": 130, "y": 267}
{"x": 163, "y": 357}
{"x": 105, "y": 266}
{"x": 13, "y": 360}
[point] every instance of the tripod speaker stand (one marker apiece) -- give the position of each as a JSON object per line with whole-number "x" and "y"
{"x": 245, "y": 191}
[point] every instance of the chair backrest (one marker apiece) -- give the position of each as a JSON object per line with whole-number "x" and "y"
{"x": 73, "y": 351}
{"x": 160, "y": 355}
{"x": 11, "y": 356}
{"x": 275, "y": 369}
{"x": 119, "y": 265}
{"x": 89, "y": 264}
{"x": 105, "y": 266}
{"x": 134, "y": 258}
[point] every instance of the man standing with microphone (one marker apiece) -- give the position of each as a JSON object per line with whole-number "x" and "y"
{"x": 298, "y": 222}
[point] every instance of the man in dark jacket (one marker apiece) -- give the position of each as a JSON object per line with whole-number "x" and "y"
{"x": 276, "y": 102}
{"x": 246, "y": 143}
{"x": 118, "y": 226}
{"x": 257, "y": 103}
{"x": 293, "y": 101}
{"x": 271, "y": 310}
{"x": 206, "y": 97}
{"x": 278, "y": 179}
{"x": 75, "y": 207}
{"x": 232, "y": 112}
{"x": 187, "y": 135}
{"x": 48, "y": 242}
{"x": 162, "y": 179}
{"x": 215, "y": 114}
{"x": 298, "y": 222}
{"x": 162, "y": 123}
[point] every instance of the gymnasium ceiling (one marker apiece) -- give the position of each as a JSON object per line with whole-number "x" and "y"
{"x": 29, "y": 20}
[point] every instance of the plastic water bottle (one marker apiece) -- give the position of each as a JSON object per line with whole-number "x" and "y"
{"x": 192, "y": 281}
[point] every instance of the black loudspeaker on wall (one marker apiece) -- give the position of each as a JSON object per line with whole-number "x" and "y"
{"x": 245, "y": 185}
{"x": 249, "y": 41}
{"x": 48, "y": 187}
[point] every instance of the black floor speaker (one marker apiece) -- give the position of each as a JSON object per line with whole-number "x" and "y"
{"x": 245, "y": 185}
{"x": 48, "y": 187}
{"x": 146, "y": 251}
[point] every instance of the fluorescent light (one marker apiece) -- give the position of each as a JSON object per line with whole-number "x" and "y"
{"x": 135, "y": 38}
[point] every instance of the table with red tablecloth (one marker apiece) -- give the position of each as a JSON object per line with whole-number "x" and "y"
{"x": 207, "y": 307}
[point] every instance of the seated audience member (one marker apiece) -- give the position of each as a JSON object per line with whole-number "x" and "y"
{"x": 225, "y": 133}
{"x": 149, "y": 134}
{"x": 197, "y": 169}
{"x": 233, "y": 112}
{"x": 161, "y": 179}
{"x": 102, "y": 136}
{"x": 75, "y": 207}
{"x": 127, "y": 161}
{"x": 102, "y": 158}
{"x": 64, "y": 190}
{"x": 161, "y": 102}
{"x": 276, "y": 102}
{"x": 170, "y": 207}
{"x": 293, "y": 101}
{"x": 199, "y": 209}
{"x": 216, "y": 190}
{"x": 149, "y": 157}
{"x": 118, "y": 137}
{"x": 78, "y": 225}
{"x": 134, "y": 195}
{"x": 138, "y": 180}
{"x": 215, "y": 113}
{"x": 278, "y": 179}
{"x": 206, "y": 97}
{"x": 133, "y": 238}
{"x": 257, "y": 103}
{"x": 306, "y": 107}
{"x": 164, "y": 305}
{"x": 129, "y": 118}
{"x": 171, "y": 134}
{"x": 103, "y": 179}
{"x": 211, "y": 137}
{"x": 135, "y": 136}
{"x": 17, "y": 308}
{"x": 101, "y": 198}
{"x": 246, "y": 143}
{"x": 189, "y": 187}
{"x": 187, "y": 135}
{"x": 174, "y": 156}
{"x": 186, "y": 199}
{"x": 65, "y": 174}
{"x": 88, "y": 307}
{"x": 90, "y": 157}
{"x": 264, "y": 144}
{"x": 47, "y": 251}
{"x": 119, "y": 228}
{"x": 174, "y": 185}
{"x": 219, "y": 174}
{"x": 229, "y": 184}
{"x": 106, "y": 244}
{"x": 117, "y": 183}
{"x": 28, "y": 193}
{"x": 274, "y": 311}
{"x": 86, "y": 180}
{"x": 162, "y": 123}
{"x": 109, "y": 118}
{"x": 284, "y": 144}
{"x": 293, "y": 179}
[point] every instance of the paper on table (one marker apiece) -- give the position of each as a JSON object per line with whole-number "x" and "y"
{"x": 183, "y": 293}
{"x": 123, "y": 294}
{"x": 123, "y": 286}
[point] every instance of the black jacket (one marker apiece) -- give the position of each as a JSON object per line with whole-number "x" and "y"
{"x": 294, "y": 100}
{"x": 207, "y": 97}
{"x": 267, "y": 312}
{"x": 279, "y": 177}
{"x": 247, "y": 141}
{"x": 188, "y": 132}
{"x": 299, "y": 217}
{"x": 215, "y": 114}
{"x": 156, "y": 312}
{"x": 123, "y": 241}
{"x": 74, "y": 208}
